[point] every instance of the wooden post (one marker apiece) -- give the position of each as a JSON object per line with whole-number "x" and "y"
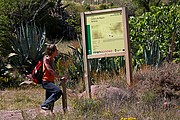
{"x": 85, "y": 60}
{"x": 127, "y": 50}
{"x": 64, "y": 96}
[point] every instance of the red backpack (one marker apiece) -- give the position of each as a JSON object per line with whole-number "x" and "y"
{"x": 37, "y": 72}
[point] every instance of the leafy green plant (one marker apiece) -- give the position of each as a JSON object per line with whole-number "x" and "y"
{"x": 152, "y": 54}
{"x": 14, "y": 13}
{"x": 10, "y": 80}
{"x": 155, "y": 33}
{"x": 28, "y": 46}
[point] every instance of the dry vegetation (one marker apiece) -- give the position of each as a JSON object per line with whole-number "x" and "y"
{"x": 155, "y": 96}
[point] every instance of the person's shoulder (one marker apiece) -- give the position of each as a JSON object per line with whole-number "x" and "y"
{"x": 46, "y": 58}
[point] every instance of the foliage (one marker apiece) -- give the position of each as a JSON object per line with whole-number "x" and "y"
{"x": 155, "y": 35}
{"x": 18, "y": 46}
{"x": 28, "y": 47}
{"x": 74, "y": 10}
{"x": 105, "y": 6}
{"x": 4, "y": 21}
{"x": 54, "y": 17}
{"x": 48, "y": 14}
{"x": 6, "y": 80}
{"x": 111, "y": 65}
{"x": 145, "y": 5}
{"x": 86, "y": 106}
{"x": 3, "y": 68}
{"x": 129, "y": 4}
{"x": 72, "y": 64}
{"x": 9, "y": 79}
{"x": 14, "y": 13}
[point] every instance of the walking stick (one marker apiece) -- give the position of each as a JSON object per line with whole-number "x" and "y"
{"x": 64, "y": 95}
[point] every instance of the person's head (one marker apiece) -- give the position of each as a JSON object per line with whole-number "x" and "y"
{"x": 51, "y": 50}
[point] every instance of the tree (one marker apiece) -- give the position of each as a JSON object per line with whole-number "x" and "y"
{"x": 145, "y": 5}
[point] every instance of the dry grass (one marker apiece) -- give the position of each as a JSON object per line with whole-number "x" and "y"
{"x": 155, "y": 96}
{"x": 14, "y": 99}
{"x": 19, "y": 99}
{"x": 63, "y": 46}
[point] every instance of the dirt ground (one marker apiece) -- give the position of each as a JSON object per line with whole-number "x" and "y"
{"x": 27, "y": 113}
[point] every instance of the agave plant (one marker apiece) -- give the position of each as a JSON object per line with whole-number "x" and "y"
{"x": 28, "y": 47}
{"x": 77, "y": 59}
{"x": 110, "y": 64}
{"x": 152, "y": 54}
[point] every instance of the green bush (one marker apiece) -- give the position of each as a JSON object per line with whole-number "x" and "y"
{"x": 10, "y": 80}
{"x": 155, "y": 36}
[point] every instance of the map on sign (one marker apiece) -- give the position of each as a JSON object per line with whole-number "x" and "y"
{"x": 104, "y": 32}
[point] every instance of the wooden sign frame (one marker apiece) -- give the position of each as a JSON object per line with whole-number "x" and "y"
{"x": 98, "y": 16}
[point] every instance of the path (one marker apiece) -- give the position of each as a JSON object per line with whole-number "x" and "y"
{"x": 27, "y": 113}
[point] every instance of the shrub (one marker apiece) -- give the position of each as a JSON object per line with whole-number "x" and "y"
{"x": 10, "y": 80}
{"x": 86, "y": 106}
{"x": 163, "y": 82}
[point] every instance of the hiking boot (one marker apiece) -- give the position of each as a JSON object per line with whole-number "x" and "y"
{"x": 45, "y": 108}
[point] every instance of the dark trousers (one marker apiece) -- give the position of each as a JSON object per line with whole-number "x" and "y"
{"x": 48, "y": 94}
{"x": 53, "y": 93}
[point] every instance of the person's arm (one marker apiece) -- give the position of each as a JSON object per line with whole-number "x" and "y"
{"x": 49, "y": 68}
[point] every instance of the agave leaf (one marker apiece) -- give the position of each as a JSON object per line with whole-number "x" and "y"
{"x": 28, "y": 46}
{"x": 145, "y": 55}
{"x": 24, "y": 41}
{"x": 12, "y": 54}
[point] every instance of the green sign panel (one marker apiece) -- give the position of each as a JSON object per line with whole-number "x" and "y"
{"x": 104, "y": 32}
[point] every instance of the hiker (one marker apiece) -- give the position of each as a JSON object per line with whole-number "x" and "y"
{"x": 53, "y": 92}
